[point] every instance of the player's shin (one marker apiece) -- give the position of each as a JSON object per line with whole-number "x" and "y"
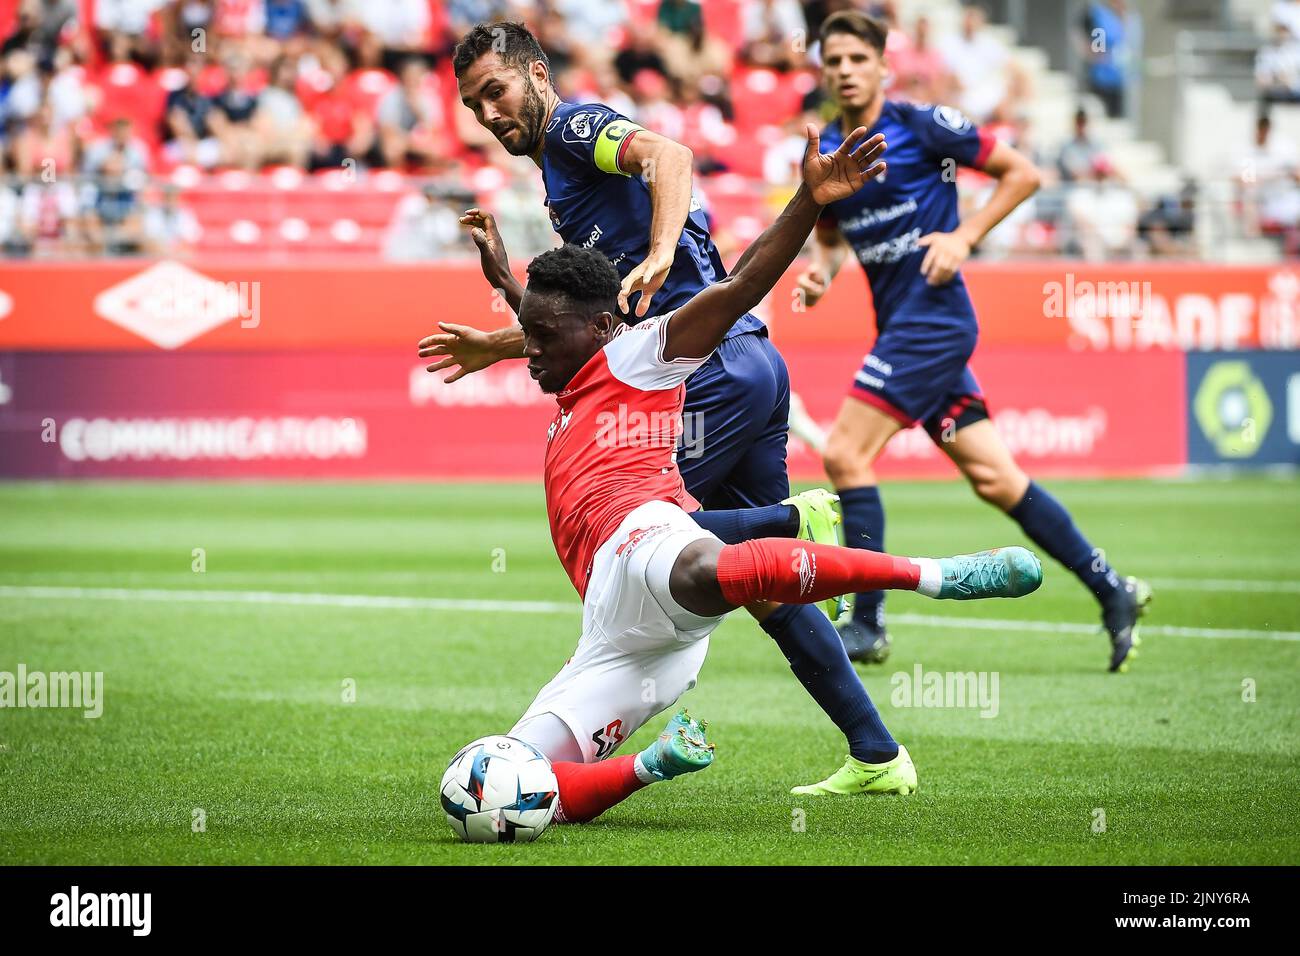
{"x": 1049, "y": 525}
{"x": 791, "y": 572}
{"x": 864, "y": 528}
{"x": 802, "y": 572}
{"x": 734, "y": 525}
{"x": 816, "y": 655}
{"x": 589, "y": 789}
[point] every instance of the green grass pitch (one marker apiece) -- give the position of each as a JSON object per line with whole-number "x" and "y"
{"x": 237, "y": 709}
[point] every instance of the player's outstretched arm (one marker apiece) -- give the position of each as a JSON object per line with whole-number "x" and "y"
{"x": 698, "y": 327}
{"x": 666, "y": 168}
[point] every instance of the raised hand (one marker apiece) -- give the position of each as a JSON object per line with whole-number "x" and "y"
{"x": 460, "y": 345}
{"x": 840, "y": 174}
{"x": 491, "y": 248}
{"x": 647, "y": 278}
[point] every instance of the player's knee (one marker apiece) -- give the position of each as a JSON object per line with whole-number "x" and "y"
{"x": 998, "y": 486}
{"x": 696, "y": 566}
{"x": 694, "y": 579}
{"x": 845, "y": 464}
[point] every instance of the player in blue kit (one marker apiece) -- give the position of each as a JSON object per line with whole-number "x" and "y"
{"x": 904, "y": 229}
{"x": 626, "y": 191}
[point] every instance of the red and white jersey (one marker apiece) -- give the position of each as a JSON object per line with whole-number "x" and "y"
{"x": 612, "y": 446}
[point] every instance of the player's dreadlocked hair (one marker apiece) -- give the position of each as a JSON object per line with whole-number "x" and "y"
{"x": 583, "y": 276}
{"x": 513, "y": 42}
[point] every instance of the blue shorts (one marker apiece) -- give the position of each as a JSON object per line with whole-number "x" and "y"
{"x": 736, "y": 418}
{"x": 917, "y": 372}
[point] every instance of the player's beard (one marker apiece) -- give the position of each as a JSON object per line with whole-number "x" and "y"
{"x": 531, "y": 117}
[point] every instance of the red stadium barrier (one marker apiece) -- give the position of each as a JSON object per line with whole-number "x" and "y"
{"x": 238, "y": 369}
{"x": 249, "y": 306}
{"x": 334, "y": 414}
{"x": 1060, "y": 413}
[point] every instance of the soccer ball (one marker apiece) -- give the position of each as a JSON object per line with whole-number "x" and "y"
{"x": 499, "y": 790}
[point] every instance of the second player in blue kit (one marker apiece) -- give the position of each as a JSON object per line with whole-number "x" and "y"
{"x": 905, "y": 232}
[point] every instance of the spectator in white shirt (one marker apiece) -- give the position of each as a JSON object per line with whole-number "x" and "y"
{"x": 125, "y": 16}
{"x": 979, "y": 64}
{"x": 1104, "y": 214}
{"x": 1269, "y": 179}
{"x": 1277, "y": 66}
{"x": 399, "y": 24}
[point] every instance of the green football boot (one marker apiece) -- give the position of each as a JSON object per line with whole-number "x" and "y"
{"x": 819, "y": 516}
{"x": 683, "y": 747}
{"x": 1002, "y": 572}
{"x": 898, "y": 776}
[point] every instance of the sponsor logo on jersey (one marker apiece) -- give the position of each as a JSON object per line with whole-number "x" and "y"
{"x": 596, "y": 233}
{"x": 891, "y": 250}
{"x": 872, "y": 217}
{"x": 951, "y": 118}
{"x": 580, "y": 127}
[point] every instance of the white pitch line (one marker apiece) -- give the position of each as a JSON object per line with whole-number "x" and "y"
{"x": 386, "y": 602}
{"x": 1226, "y": 584}
{"x": 1060, "y": 627}
{"x": 1240, "y": 585}
{"x": 365, "y": 601}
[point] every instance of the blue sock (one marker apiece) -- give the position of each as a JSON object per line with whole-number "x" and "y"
{"x": 744, "y": 524}
{"x": 816, "y": 655}
{"x": 864, "y": 527}
{"x": 1049, "y": 525}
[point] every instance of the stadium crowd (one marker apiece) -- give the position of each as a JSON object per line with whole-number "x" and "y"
{"x": 116, "y": 114}
{"x": 1269, "y": 166}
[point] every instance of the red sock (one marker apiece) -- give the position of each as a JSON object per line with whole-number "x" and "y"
{"x": 800, "y": 572}
{"x": 589, "y": 789}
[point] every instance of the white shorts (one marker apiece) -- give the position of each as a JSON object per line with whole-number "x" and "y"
{"x": 640, "y": 650}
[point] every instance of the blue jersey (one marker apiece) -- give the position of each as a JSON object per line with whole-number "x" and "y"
{"x": 595, "y": 204}
{"x": 917, "y": 195}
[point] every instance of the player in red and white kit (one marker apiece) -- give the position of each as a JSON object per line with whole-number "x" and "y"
{"x": 654, "y": 584}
